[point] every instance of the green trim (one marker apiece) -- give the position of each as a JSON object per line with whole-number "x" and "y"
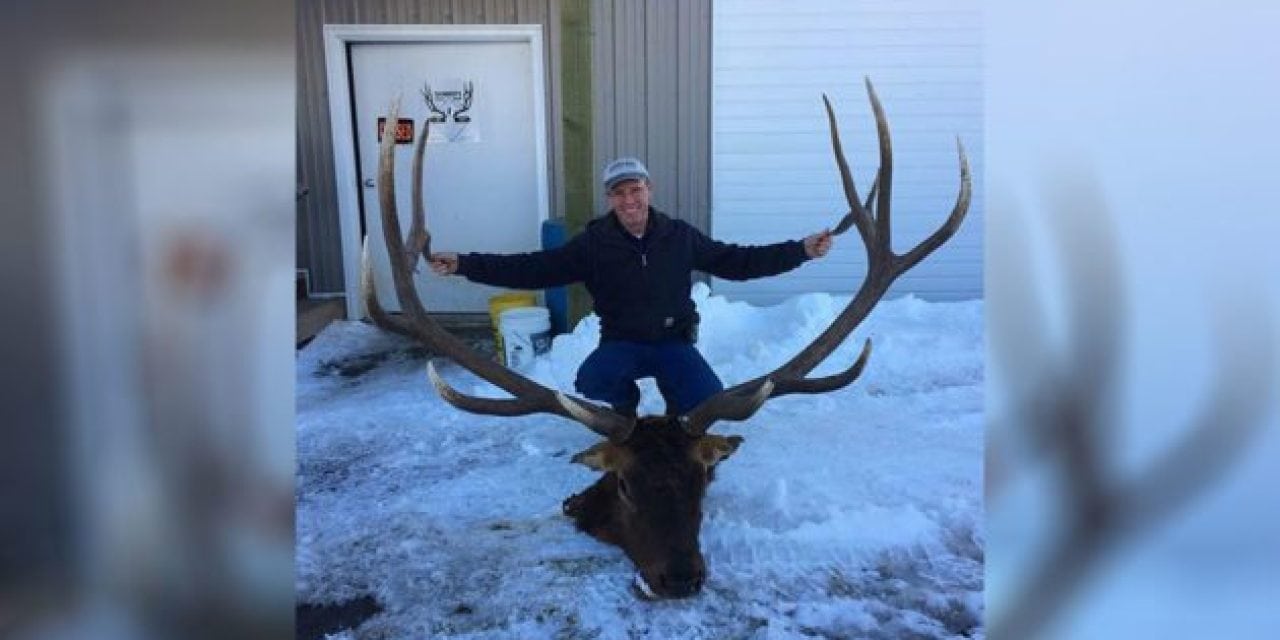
{"x": 575, "y": 71}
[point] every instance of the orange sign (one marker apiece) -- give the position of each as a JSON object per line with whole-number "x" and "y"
{"x": 404, "y": 130}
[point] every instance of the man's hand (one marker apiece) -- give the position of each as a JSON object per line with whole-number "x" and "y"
{"x": 444, "y": 264}
{"x": 818, "y": 244}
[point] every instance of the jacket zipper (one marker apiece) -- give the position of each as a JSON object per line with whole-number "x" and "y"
{"x": 644, "y": 260}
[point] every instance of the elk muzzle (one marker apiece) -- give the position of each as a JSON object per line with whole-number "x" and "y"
{"x": 681, "y": 577}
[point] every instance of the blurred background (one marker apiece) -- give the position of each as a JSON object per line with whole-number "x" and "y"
{"x": 1132, "y": 276}
{"x": 1134, "y": 316}
{"x": 148, "y": 269}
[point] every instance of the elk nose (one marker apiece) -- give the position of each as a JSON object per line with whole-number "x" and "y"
{"x": 681, "y": 582}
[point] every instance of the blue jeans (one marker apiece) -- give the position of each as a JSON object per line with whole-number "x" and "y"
{"x": 609, "y": 375}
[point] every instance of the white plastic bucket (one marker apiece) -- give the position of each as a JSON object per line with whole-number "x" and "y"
{"x": 526, "y": 332}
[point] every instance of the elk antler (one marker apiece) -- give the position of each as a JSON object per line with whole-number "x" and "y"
{"x": 530, "y": 397}
{"x": 883, "y": 267}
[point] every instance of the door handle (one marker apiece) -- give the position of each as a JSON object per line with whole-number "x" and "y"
{"x": 368, "y": 183}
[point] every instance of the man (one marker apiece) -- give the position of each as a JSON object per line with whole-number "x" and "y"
{"x": 636, "y": 262}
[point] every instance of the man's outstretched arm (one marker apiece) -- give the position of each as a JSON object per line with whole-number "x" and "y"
{"x": 735, "y": 262}
{"x": 534, "y": 270}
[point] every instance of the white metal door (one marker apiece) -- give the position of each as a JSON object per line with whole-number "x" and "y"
{"x": 484, "y": 175}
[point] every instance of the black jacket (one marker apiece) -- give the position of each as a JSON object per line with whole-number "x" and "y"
{"x": 640, "y": 286}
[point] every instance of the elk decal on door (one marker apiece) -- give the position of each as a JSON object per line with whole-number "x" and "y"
{"x": 450, "y": 103}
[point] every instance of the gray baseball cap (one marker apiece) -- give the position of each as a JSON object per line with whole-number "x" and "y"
{"x": 624, "y": 169}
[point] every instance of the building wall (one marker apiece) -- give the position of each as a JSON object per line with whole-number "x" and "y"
{"x": 755, "y": 118}
{"x": 319, "y": 246}
{"x": 774, "y": 175}
{"x": 652, "y": 85}
{"x": 651, "y": 95}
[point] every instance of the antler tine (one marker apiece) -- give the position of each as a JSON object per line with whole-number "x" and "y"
{"x": 883, "y": 268}
{"x": 595, "y": 418}
{"x": 884, "y": 176}
{"x": 419, "y": 241}
{"x": 858, "y": 215}
{"x": 401, "y": 268}
{"x": 949, "y": 227}
{"x": 378, "y": 314}
{"x": 739, "y": 404}
{"x": 529, "y": 396}
{"x": 827, "y": 383}
{"x": 871, "y": 195}
{"x": 742, "y": 403}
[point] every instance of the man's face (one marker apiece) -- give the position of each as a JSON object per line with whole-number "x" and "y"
{"x": 630, "y": 200}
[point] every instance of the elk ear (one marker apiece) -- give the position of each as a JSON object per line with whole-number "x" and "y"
{"x": 604, "y": 456}
{"x": 710, "y": 450}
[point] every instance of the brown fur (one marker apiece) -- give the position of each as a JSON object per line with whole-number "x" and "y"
{"x": 656, "y": 519}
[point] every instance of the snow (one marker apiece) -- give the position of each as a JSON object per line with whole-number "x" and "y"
{"x": 855, "y": 513}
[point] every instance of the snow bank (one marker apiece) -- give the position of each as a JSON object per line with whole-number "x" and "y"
{"x": 853, "y": 513}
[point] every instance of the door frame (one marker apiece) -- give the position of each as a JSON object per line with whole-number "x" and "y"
{"x": 337, "y": 38}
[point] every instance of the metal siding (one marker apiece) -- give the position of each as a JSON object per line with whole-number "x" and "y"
{"x": 693, "y": 131}
{"x": 698, "y": 118}
{"x": 499, "y": 12}
{"x": 305, "y": 164}
{"x": 555, "y": 133}
{"x": 660, "y": 111}
{"x": 603, "y": 89}
{"x": 774, "y": 175}
{"x": 319, "y": 236}
{"x": 628, "y": 74}
{"x": 652, "y": 78}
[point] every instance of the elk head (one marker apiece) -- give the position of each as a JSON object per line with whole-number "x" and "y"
{"x": 656, "y": 469}
{"x": 649, "y": 501}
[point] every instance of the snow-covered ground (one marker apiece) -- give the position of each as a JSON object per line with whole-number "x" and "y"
{"x": 852, "y": 514}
